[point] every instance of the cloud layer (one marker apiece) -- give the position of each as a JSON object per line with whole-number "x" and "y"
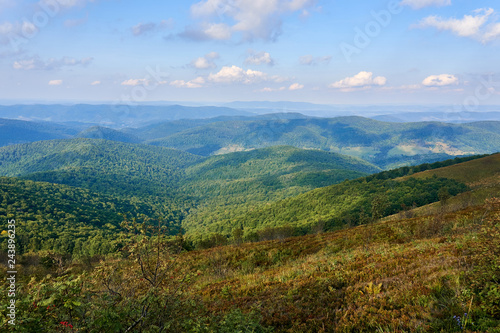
{"x": 440, "y": 80}
{"x": 35, "y": 63}
{"x": 310, "y": 60}
{"x": 253, "y": 19}
{"x": 479, "y": 26}
{"x": 259, "y": 58}
{"x": 205, "y": 62}
{"x": 145, "y": 28}
{"x": 360, "y": 80}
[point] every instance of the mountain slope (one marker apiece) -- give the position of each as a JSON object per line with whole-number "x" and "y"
{"x": 114, "y": 115}
{"x": 63, "y": 219}
{"x": 387, "y": 145}
{"x": 99, "y": 165}
{"x": 231, "y": 184}
{"x": 97, "y": 132}
{"x": 18, "y": 131}
{"x": 431, "y": 273}
{"x": 361, "y": 200}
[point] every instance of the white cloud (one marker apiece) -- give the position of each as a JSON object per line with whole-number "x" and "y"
{"x": 440, "y": 80}
{"x": 230, "y": 75}
{"x": 55, "y": 82}
{"x": 144, "y": 28}
{"x": 135, "y": 82}
{"x": 478, "y": 26}
{"x": 418, "y": 4}
{"x": 95, "y": 83}
{"x": 268, "y": 89}
{"x": 360, "y": 80}
{"x": 35, "y": 63}
{"x": 254, "y": 19}
{"x": 313, "y": 61}
{"x": 236, "y": 74}
{"x": 492, "y": 33}
{"x": 259, "y": 58}
{"x": 205, "y": 62}
{"x": 196, "y": 83}
{"x": 296, "y": 86}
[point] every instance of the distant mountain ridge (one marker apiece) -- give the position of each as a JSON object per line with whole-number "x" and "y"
{"x": 385, "y": 144}
{"x": 114, "y": 115}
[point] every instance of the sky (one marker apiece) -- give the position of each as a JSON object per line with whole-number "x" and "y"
{"x": 211, "y": 51}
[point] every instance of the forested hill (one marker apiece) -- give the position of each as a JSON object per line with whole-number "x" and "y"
{"x": 142, "y": 170}
{"x": 109, "y": 178}
{"x": 99, "y": 165}
{"x": 71, "y": 220}
{"x": 387, "y": 145}
{"x": 230, "y": 184}
{"x": 357, "y": 201}
{"x": 18, "y": 131}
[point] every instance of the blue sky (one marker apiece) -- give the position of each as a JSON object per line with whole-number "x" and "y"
{"x": 329, "y": 52}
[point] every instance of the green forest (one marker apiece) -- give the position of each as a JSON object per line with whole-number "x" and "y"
{"x": 126, "y": 237}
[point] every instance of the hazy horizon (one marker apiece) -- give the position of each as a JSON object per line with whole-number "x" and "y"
{"x": 218, "y": 51}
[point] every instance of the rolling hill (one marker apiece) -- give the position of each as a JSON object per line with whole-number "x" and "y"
{"x": 228, "y": 185}
{"x": 435, "y": 271}
{"x": 98, "y": 165}
{"x": 210, "y": 187}
{"x": 358, "y": 201}
{"x": 114, "y": 115}
{"x": 19, "y": 131}
{"x": 71, "y": 220}
{"x": 387, "y": 145}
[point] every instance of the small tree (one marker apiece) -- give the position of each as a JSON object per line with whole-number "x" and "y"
{"x": 380, "y": 203}
{"x": 443, "y": 195}
{"x": 238, "y": 236}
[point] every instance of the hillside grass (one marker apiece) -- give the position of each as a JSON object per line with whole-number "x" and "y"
{"x": 410, "y": 275}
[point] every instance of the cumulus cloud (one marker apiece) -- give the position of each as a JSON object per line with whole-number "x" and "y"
{"x": 236, "y": 74}
{"x": 145, "y": 28}
{"x": 35, "y": 63}
{"x": 196, "y": 83}
{"x": 479, "y": 26}
{"x": 296, "y": 86}
{"x": 259, "y": 58}
{"x": 418, "y": 4}
{"x": 292, "y": 87}
{"x": 360, "y": 80}
{"x": 492, "y": 33}
{"x": 230, "y": 75}
{"x": 55, "y": 82}
{"x": 135, "y": 82}
{"x": 253, "y": 19}
{"x": 440, "y": 80}
{"x": 205, "y": 62}
{"x": 95, "y": 83}
{"x": 268, "y": 89}
{"x": 208, "y": 31}
{"x": 310, "y": 60}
